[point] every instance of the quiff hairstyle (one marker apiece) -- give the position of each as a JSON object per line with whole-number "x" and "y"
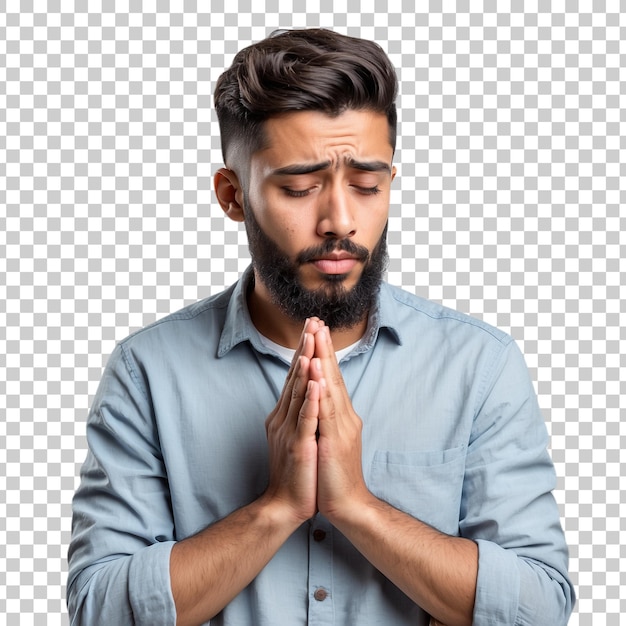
{"x": 300, "y": 70}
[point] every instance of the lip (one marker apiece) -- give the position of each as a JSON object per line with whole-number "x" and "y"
{"x": 335, "y": 263}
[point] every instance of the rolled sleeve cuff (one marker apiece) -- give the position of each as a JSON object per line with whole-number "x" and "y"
{"x": 130, "y": 589}
{"x": 150, "y": 590}
{"x": 498, "y": 584}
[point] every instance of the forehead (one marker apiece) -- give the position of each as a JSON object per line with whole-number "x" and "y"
{"x": 312, "y": 136}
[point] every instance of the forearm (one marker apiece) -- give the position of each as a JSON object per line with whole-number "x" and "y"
{"x": 436, "y": 571}
{"x": 209, "y": 569}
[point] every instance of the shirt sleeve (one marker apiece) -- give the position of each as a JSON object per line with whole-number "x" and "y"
{"x": 122, "y": 526}
{"x": 508, "y": 507}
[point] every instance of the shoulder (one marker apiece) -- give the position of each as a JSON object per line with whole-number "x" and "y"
{"x": 416, "y": 313}
{"x": 202, "y": 318}
{"x": 457, "y": 350}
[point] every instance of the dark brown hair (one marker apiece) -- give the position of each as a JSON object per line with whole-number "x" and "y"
{"x": 301, "y": 70}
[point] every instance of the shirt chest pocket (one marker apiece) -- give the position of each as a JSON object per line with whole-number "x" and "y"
{"x": 426, "y": 485}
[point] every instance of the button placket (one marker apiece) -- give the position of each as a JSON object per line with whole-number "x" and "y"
{"x": 321, "y": 606}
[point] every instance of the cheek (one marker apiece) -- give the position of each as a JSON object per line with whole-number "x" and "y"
{"x": 285, "y": 230}
{"x": 374, "y": 222}
{"x": 282, "y": 224}
{"x": 283, "y": 221}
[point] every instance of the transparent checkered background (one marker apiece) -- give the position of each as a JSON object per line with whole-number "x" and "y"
{"x": 507, "y": 206}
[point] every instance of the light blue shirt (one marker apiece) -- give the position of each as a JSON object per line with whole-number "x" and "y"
{"x": 452, "y": 435}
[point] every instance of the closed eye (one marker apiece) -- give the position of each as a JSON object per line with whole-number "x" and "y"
{"x": 368, "y": 191}
{"x": 301, "y": 193}
{"x": 296, "y": 193}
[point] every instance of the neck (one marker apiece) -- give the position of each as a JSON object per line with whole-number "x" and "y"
{"x": 274, "y": 324}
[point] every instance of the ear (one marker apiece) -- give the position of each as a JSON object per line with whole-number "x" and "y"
{"x": 229, "y": 193}
{"x": 394, "y": 171}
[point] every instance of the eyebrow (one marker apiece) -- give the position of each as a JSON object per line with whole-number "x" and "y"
{"x": 309, "y": 168}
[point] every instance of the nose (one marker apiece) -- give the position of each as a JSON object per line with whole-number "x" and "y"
{"x": 336, "y": 215}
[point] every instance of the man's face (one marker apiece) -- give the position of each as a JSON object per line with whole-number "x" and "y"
{"x": 316, "y": 210}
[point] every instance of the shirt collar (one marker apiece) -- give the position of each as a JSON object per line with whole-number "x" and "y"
{"x": 238, "y": 326}
{"x": 383, "y": 317}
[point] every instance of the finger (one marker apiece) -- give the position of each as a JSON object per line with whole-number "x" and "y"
{"x": 309, "y": 411}
{"x": 299, "y": 387}
{"x": 295, "y": 382}
{"x": 326, "y": 404}
{"x": 328, "y": 422}
{"x": 293, "y": 395}
{"x": 335, "y": 403}
{"x": 315, "y": 369}
{"x": 300, "y": 347}
{"x": 323, "y": 343}
{"x": 308, "y": 342}
{"x": 328, "y": 407}
{"x": 325, "y": 351}
{"x": 306, "y": 347}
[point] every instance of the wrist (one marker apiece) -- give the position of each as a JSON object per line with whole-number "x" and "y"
{"x": 354, "y": 511}
{"x": 279, "y": 514}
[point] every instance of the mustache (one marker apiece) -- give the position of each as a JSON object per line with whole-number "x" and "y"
{"x": 333, "y": 245}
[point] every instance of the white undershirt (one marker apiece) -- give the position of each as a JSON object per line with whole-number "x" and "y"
{"x": 288, "y": 353}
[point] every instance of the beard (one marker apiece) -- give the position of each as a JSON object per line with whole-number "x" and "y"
{"x": 338, "y": 307}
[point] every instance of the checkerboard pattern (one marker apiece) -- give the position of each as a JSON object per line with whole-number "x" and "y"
{"x": 508, "y": 206}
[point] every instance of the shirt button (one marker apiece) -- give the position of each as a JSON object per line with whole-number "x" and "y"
{"x": 319, "y": 535}
{"x": 320, "y": 594}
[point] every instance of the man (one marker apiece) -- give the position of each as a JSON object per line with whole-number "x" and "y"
{"x": 314, "y": 445}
